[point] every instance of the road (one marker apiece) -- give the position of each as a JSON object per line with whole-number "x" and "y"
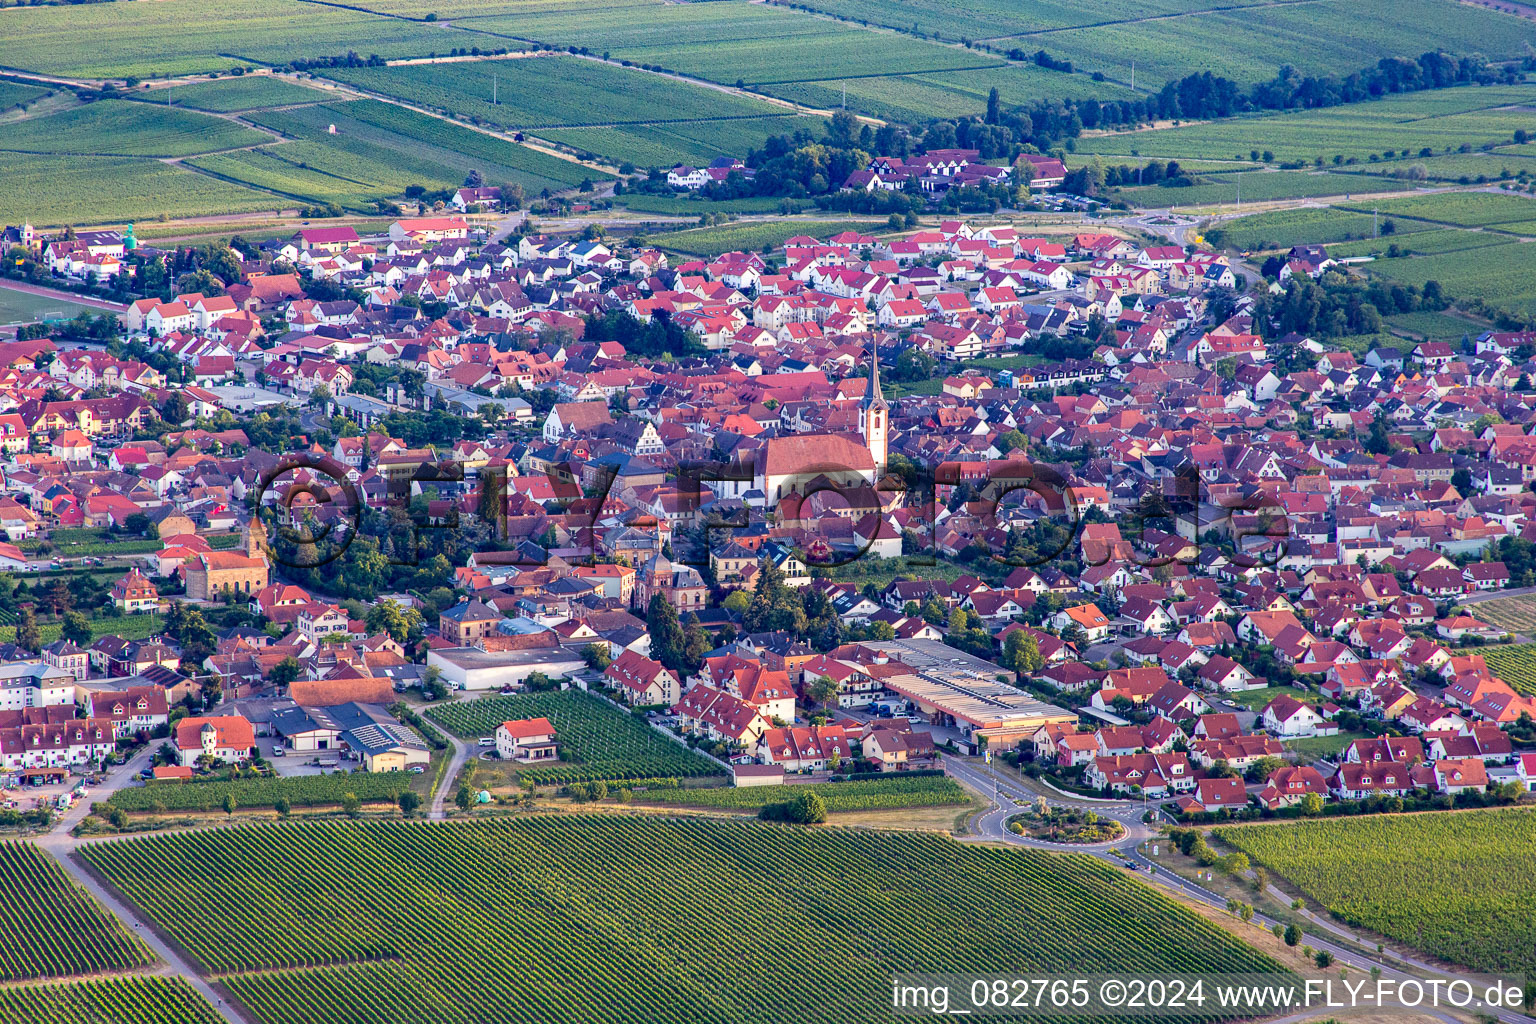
{"x": 460, "y": 755}
{"x": 1013, "y": 794}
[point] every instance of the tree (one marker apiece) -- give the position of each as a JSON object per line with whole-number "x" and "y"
{"x": 1292, "y": 935}
{"x": 229, "y": 804}
{"x": 1323, "y": 959}
{"x": 281, "y": 806}
{"x": 1311, "y": 805}
{"x": 432, "y": 685}
{"x": 596, "y": 656}
{"x": 1235, "y": 863}
{"x": 285, "y": 672}
{"x": 408, "y": 801}
{"x": 27, "y": 636}
{"x": 351, "y": 804}
{"x": 76, "y": 629}
{"x": 1021, "y": 652}
{"x": 823, "y": 690}
{"x": 668, "y": 644}
{"x": 807, "y": 808}
{"x": 465, "y": 796}
{"x": 402, "y": 624}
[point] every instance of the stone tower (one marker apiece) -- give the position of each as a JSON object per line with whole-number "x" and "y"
{"x": 875, "y": 415}
{"x": 253, "y": 538}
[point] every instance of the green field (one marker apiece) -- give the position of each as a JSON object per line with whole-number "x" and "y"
{"x": 129, "y": 627}
{"x": 133, "y": 998}
{"x": 1223, "y": 189}
{"x": 120, "y": 128}
{"x": 51, "y": 927}
{"x": 20, "y": 307}
{"x": 15, "y": 93}
{"x": 1461, "y": 209}
{"x": 755, "y": 236}
{"x": 1441, "y": 120}
{"x": 1502, "y": 279}
{"x": 597, "y": 740}
{"x": 210, "y": 35}
{"x": 610, "y": 919}
{"x": 123, "y": 189}
{"x": 250, "y": 794}
{"x": 1281, "y": 229}
{"x": 378, "y": 150}
{"x": 1461, "y": 167}
{"x": 1469, "y": 900}
{"x": 1431, "y": 242}
{"x": 1515, "y": 663}
{"x": 1432, "y": 326}
{"x": 547, "y": 92}
{"x": 693, "y": 206}
{"x": 664, "y": 145}
{"x": 233, "y": 94}
{"x": 862, "y": 795}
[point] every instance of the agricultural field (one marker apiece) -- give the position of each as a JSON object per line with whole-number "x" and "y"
{"x": 755, "y": 236}
{"x": 1515, "y": 663}
{"x": 121, "y": 128}
{"x": 915, "y": 98}
{"x": 597, "y": 740}
{"x": 1431, "y": 326}
{"x": 123, "y": 189}
{"x": 15, "y": 93}
{"x": 52, "y": 928}
{"x": 107, "y": 1001}
{"x": 211, "y": 35}
{"x": 1440, "y": 121}
{"x": 1466, "y": 168}
{"x": 687, "y": 206}
{"x": 1250, "y": 45}
{"x": 860, "y": 795}
{"x": 1503, "y": 283}
{"x": 548, "y": 92}
{"x": 1460, "y": 209}
{"x": 129, "y": 627}
{"x": 1471, "y": 901}
{"x": 458, "y": 9}
{"x": 253, "y": 794}
{"x": 228, "y": 95}
{"x": 1430, "y": 242}
{"x": 601, "y": 919}
{"x": 1281, "y": 229}
{"x": 664, "y": 145}
{"x": 1223, "y": 189}
{"x": 377, "y": 151}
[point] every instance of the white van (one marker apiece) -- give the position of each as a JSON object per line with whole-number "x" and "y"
{"x": 487, "y": 741}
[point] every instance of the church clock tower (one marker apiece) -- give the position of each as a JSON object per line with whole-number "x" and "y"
{"x": 875, "y": 415}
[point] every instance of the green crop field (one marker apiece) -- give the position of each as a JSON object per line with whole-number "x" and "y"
{"x": 1516, "y": 663}
{"x": 693, "y": 206}
{"x": 225, "y": 95}
{"x": 664, "y": 145}
{"x": 1281, "y": 229}
{"x": 915, "y": 98}
{"x": 457, "y": 9}
{"x": 863, "y": 795}
{"x": 544, "y": 92}
{"x": 1469, "y": 900}
{"x": 1502, "y": 279}
{"x": 597, "y": 740}
{"x": 210, "y": 35}
{"x": 377, "y": 151}
{"x": 1257, "y": 187}
{"x": 132, "y": 998}
{"x": 120, "y": 128}
{"x": 1251, "y": 44}
{"x": 1431, "y": 242}
{"x": 1441, "y": 327}
{"x": 51, "y": 927}
{"x": 564, "y": 918}
{"x": 1440, "y": 121}
{"x": 1465, "y": 168}
{"x": 298, "y": 790}
{"x": 15, "y": 93}
{"x": 755, "y": 236}
{"x": 122, "y": 188}
{"x": 1461, "y": 209}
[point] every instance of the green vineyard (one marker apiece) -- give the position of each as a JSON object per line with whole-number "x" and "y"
{"x": 862, "y": 795}
{"x": 298, "y": 790}
{"x": 1515, "y": 664}
{"x": 597, "y": 740}
{"x": 126, "y": 1000}
{"x": 49, "y": 928}
{"x": 566, "y": 918}
{"x": 1457, "y": 886}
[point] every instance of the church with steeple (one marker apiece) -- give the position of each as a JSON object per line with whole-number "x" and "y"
{"x": 875, "y": 416}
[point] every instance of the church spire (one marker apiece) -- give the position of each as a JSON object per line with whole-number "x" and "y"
{"x": 873, "y": 397}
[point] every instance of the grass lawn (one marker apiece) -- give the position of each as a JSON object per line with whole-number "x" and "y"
{"x": 21, "y": 307}
{"x": 1254, "y": 700}
{"x": 1325, "y": 746}
{"x": 1436, "y": 327}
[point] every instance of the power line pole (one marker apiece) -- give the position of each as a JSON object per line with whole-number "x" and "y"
{"x": 494, "y": 101}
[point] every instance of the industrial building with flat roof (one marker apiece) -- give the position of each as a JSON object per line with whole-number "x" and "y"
{"x": 955, "y": 689}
